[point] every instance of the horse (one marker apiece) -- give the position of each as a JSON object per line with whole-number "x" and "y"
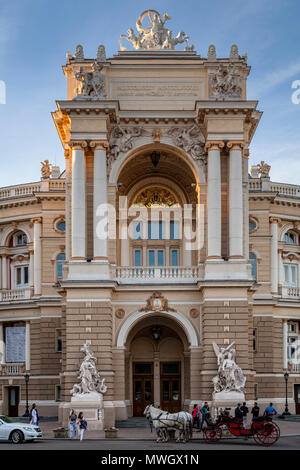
{"x": 163, "y": 421}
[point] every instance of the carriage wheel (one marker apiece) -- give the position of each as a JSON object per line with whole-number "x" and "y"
{"x": 212, "y": 434}
{"x": 267, "y": 435}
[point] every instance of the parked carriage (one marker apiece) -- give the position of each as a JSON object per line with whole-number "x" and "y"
{"x": 264, "y": 431}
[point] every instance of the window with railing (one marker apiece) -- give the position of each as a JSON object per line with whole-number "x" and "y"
{"x": 290, "y": 274}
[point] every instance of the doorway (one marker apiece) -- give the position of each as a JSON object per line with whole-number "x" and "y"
{"x": 142, "y": 386}
{"x": 170, "y": 386}
{"x": 297, "y": 398}
{"x": 13, "y": 401}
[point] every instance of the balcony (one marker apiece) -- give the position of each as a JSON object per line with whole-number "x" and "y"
{"x": 292, "y": 293}
{"x": 12, "y": 368}
{"x": 15, "y": 295}
{"x": 152, "y": 275}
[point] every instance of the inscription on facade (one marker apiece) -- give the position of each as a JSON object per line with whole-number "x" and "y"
{"x": 15, "y": 344}
{"x": 156, "y": 90}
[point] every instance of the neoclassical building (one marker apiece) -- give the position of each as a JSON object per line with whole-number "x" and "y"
{"x": 154, "y": 242}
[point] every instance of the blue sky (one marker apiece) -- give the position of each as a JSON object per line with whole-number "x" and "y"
{"x": 36, "y": 34}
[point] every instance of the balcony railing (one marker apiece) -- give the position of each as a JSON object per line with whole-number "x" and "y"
{"x": 15, "y": 295}
{"x": 295, "y": 368}
{"x": 144, "y": 274}
{"x": 258, "y": 184}
{"x": 31, "y": 188}
{"x": 12, "y": 368}
{"x": 291, "y": 293}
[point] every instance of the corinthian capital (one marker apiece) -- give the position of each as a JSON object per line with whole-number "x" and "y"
{"x": 214, "y": 145}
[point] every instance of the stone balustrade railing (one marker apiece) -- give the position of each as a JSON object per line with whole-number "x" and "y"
{"x": 131, "y": 274}
{"x": 12, "y": 368}
{"x": 31, "y": 188}
{"x": 291, "y": 292}
{"x": 14, "y": 295}
{"x": 258, "y": 184}
{"x": 295, "y": 368}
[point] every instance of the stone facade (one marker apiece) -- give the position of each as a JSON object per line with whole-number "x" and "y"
{"x": 173, "y": 130}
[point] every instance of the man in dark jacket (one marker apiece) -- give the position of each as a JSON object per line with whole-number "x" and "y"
{"x": 255, "y": 411}
{"x": 244, "y": 409}
{"x": 238, "y": 414}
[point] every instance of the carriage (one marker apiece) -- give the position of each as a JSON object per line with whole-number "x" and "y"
{"x": 264, "y": 431}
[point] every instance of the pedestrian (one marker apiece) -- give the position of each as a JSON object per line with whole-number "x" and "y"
{"x": 238, "y": 414}
{"x": 73, "y": 424}
{"x": 205, "y": 415}
{"x": 255, "y": 411}
{"x": 244, "y": 409}
{"x": 270, "y": 410}
{"x": 82, "y": 425}
{"x": 34, "y": 416}
{"x": 196, "y": 415}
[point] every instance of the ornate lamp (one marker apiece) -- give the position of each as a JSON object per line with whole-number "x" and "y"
{"x": 286, "y": 411}
{"x": 155, "y": 157}
{"x": 26, "y": 377}
{"x": 156, "y": 333}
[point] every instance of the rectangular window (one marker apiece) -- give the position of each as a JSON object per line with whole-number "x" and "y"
{"x": 255, "y": 340}
{"x": 174, "y": 230}
{"x": 174, "y": 257}
{"x": 21, "y": 276}
{"x": 155, "y": 231}
{"x": 58, "y": 341}
{"x": 58, "y": 393}
{"x": 151, "y": 258}
{"x": 160, "y": 258}
{"x": 137, "y": 258}
{"x": 290, "y": 275}
{"x": 137, "y": 231}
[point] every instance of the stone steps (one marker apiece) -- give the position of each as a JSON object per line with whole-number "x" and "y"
{"x": 134, "y": 422}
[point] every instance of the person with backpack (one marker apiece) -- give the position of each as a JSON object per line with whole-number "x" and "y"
{"x": 270, "y": 410}
{"x": 34, "y": 416}
{"x": 196, "y": 415}
{"x": 205, "y": 415}
{"x": 82, "y": 425}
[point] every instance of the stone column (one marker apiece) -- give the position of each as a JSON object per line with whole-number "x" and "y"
{"x": 280, "y": 278}
{"x": 100, "y": 197}
{"x": 37, "y": 247}
{"x": 123, "y": 230}
{"x": 274, "y": 254}
{"x": 31, "y": 268}
{"x": 214, "y": 200}
{"x": 27, "y": 346}
{"x": 78, "y": 202}
{"x": 2, "y": 345}
{"x": 285, "y": 338}
{"x": 4, "y": 272}
{"x": 236, "y": 217}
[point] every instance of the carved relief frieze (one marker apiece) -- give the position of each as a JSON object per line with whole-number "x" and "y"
{"x": 225, "y": 83}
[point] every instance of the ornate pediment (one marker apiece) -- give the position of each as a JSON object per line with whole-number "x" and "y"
{"x": 157, "y": 303}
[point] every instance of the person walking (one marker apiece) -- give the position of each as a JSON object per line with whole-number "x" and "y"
{"x": 270, "y": 410}
{"x": 205, "y": 415}
{"x": 73, "y": 424}
{"x": 244, "y": 409}
{"x": 196, "y": 415}
{"x": 34, "y": 416}
{"x": 255, "y": 411}
{"x": 82, "y": 425}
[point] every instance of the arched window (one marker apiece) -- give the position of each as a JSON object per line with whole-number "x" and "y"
{"x": 291, "y": 238}
{"x": 253, "y": 262}
{"x": 60, "y": 261}
{"x": 252, "y": 225}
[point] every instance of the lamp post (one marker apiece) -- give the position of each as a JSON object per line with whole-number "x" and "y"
{"x": 26, "y": 414}
{"x": 286, "y": 411}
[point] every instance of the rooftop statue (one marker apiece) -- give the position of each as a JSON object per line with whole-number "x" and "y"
{"x": 91, "y": 83}
{"x": 46, "y": 169}
{"x": 154, "y": 36}
{"x": 230, "y": 377}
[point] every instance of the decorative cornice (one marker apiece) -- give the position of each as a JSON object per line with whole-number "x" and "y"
{"x": 274, "y": 220}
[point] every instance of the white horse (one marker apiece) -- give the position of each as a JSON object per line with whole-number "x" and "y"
{"x": 163, "y": 421}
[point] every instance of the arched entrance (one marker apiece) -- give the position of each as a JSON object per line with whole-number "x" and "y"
{"x": 157, "y": 364}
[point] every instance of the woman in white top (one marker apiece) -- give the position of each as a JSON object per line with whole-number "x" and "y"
{"x": 34, "y": 415}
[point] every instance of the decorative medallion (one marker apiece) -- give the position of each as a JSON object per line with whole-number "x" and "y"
{"x": 120, "y": 313}
{"x": 157, "y": 303}
{"x": 156, "y": 197}
{"x": 194, "y": 313}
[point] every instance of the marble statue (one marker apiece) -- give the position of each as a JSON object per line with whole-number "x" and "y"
{"x": 46, "y": 169}
{"x": 212, "y": 52}
{"x": 91, "y": 83}
{"x": 79, "y": 55}
{"x": 264, "y": 169}
{"x": 191, "y": 140}
{"x": 224, "y": 83}
{"x": 101, "y": 54}
{"x": 230, "y": 377}
{"x": 154, "y": 36}
{"x": 234, "y": 52}
{"x": 90, "y": 380}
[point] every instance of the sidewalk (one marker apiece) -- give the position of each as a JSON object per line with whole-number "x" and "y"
{"x": 286, "y": 429}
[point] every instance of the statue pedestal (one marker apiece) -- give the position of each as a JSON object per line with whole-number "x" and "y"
{"x": 91, "y": 404}
{"x": 224, "y": 400}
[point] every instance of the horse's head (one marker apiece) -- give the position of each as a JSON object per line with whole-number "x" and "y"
{"x": 147, "y": 411}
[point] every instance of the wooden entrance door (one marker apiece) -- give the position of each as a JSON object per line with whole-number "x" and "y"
{"x": 142, "y": 387}
{"x": 170, "y": 387}
{"x": 297, "y": 398}
{"x": 13, "y": 401}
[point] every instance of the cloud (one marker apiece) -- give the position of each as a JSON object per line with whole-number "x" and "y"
{"x": 271, "y": 80}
